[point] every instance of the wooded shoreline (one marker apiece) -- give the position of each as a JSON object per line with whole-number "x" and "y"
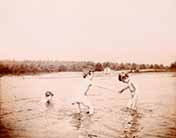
{"x": 11, "y": 67}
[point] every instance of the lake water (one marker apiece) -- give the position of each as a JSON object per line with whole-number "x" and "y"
{"x": 21, "y": 115}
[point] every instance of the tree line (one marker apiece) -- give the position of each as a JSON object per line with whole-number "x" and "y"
{"x": 28, "y": 66}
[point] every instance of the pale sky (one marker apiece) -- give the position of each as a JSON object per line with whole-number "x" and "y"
{"x": 141, "y": 31}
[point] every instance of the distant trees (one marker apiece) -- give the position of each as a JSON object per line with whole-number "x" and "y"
{"x": 99, "y": 67}
{"x": 173, "y": 65}
{"x": 27, "y": 66}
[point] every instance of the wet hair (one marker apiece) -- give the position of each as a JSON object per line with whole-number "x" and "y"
{"x": 122, "y": 76}
{"x": 48, "y": 93}
{"x": 85, "y": 74}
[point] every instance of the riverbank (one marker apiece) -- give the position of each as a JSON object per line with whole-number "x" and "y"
{"x": 101, "y": 72}
{"x": 152, "y": 70}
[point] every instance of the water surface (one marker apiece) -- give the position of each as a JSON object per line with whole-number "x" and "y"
{"x": 23, "y": 117}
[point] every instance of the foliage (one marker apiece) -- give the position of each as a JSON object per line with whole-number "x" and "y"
{"x": 28, "y": 66}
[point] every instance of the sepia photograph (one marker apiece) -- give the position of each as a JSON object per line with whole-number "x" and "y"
{"x": 87, "y": 69}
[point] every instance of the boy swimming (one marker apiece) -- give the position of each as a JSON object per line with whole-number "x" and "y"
{"x": 48, "y": 99}
{"x": 124, "y": 77}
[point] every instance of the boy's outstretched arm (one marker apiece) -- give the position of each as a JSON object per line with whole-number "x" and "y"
{"x": 124, "y": 89}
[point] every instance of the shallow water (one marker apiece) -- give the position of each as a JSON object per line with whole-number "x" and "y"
{"x": 21, "y": 115}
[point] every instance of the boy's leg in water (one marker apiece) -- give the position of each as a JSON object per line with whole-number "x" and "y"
{"x": 134, "y": 102}
{"x": 79, "y": 107}
{"x": 88, "y": 104}
{"x": 78, "y": 104}
{"x": 129, "y": 105}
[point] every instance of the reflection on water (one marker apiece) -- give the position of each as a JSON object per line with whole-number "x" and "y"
{"x": 76, "y": 120}
{"x": 132, "y": 124}
{"x": 82, "y": 122}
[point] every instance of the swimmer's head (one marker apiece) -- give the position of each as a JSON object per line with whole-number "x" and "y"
{"x": 48, "y": 94}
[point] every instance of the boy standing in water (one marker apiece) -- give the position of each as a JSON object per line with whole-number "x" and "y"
{"x": 123, "y": 77}
{"x": 82, "y": 99}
